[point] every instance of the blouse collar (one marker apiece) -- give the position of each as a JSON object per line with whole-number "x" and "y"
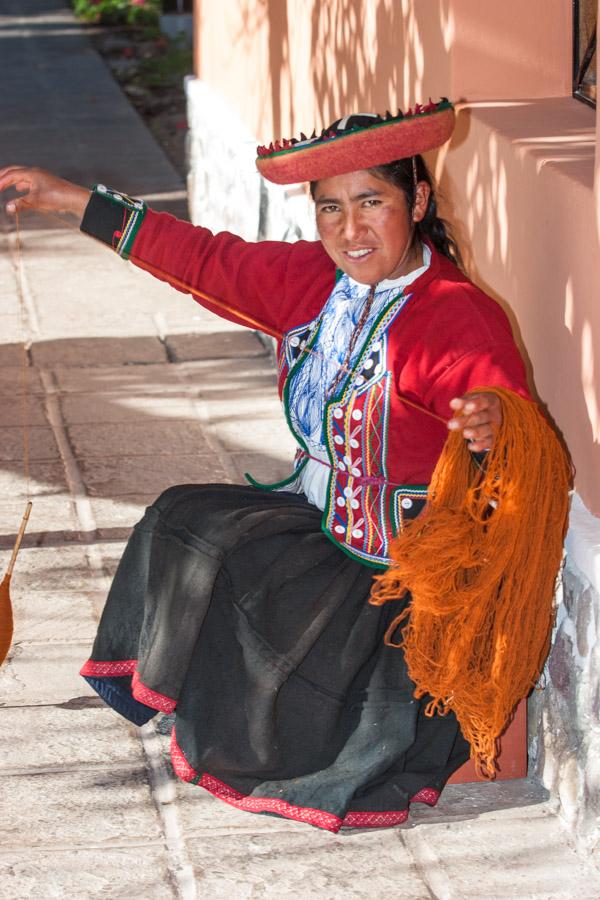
{"x": 404, "y": 280}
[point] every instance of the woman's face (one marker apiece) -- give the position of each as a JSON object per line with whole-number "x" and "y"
{"x": 365, "y": 225}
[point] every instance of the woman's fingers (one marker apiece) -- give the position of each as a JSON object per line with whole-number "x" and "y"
{"x": 19, "y": 178}
{"x": 12, "y": 176}
{"x": 8, "y": 175}
{"x": 478, "y": 417}
{"x": 42, "y": 190}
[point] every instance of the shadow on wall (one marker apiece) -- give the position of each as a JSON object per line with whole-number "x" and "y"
{"x": 368, "y": 56}
{"x": 279, "y": 56}
{"x": 518, "y": 230}
{"x": 363, "y": 56}
{"x": 254, "y": 16}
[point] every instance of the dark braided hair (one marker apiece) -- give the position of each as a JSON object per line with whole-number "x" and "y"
{"x": 400, "y": 174}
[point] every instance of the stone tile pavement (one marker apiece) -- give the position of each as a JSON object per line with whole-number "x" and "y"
{"x": 132, "y": 387}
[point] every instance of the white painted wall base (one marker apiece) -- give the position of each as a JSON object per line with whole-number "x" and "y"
{"x": 226, "y": 193}
{"x": 565, "y": 714}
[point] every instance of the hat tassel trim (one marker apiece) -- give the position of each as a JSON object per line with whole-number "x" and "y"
{"x": 286, "y": 144}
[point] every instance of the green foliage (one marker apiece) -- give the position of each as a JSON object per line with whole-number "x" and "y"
{"x": 167, "y": 67}
{"x": 118, "y": 12}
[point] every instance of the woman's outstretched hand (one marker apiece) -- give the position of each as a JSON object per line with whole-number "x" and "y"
{"x": 478, "y": 416}
{"x": 42, "y": 191}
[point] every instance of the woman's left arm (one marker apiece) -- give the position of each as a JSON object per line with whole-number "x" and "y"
{"x": 478, "y": 416}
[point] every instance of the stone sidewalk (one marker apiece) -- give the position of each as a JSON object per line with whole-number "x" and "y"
{"x": 132, "y": 387}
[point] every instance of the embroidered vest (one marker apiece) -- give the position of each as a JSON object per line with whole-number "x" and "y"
{"x": 364, "y": 509}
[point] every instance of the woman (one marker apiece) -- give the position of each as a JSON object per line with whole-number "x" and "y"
{"x": 244, "y": 609}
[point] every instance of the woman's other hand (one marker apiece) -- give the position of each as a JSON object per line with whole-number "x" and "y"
{"x": 478, "y": 416}
{"x": 42, "y": 191}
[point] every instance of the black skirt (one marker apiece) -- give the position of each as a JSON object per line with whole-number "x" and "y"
{"x": 231, "y": 609}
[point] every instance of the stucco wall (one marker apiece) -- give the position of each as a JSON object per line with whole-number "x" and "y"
{"x": 286, "y": 65}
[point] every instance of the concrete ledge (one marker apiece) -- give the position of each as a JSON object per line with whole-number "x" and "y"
{"x": 559, "y": 133}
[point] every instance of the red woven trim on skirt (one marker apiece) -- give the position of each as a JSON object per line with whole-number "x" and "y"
{"x": 316, "y": 817}
{"x": 149, "y": 697}
{"x": 101, "y": 669}
{"x": 140, "y": 692}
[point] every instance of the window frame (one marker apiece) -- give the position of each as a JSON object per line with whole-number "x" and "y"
{"x": 577, "y": 61}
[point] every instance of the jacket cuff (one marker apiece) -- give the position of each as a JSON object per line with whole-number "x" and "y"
{"x": 113, "y": 218}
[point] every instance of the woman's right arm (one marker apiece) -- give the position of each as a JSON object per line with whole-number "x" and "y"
{"x": 275, "y": 283}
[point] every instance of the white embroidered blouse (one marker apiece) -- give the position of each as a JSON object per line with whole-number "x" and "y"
{"x": 309, "y": 387}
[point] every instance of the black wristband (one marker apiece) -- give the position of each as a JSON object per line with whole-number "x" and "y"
{"x": 113, "y": 218}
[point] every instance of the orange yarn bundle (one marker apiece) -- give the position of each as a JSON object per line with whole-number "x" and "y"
{"x": 481, "y": 564}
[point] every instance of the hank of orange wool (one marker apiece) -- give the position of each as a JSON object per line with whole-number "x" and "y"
{"x": 481, "y": 564}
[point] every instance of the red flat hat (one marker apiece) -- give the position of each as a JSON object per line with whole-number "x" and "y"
{"x": 357, "y": 142}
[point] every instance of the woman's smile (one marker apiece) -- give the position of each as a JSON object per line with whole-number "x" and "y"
{"x": 358, "y": 254}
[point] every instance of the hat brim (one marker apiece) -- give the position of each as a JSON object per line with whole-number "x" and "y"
{"x": 374, "y": 146}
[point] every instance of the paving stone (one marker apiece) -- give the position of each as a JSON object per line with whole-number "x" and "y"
{"x": 45, "y": 478}
{"x": 151, "y": 438}
{"x": 79, "y": 874}
{"x": 507, "y": 853}
{"x": 11, "y": 330}
{"x": 42, "y": 444}
{"x": 184, "y": 317}
{"x": 245, "y": 407}
{"x": 78, "y": 808}
{"x": 245, "y": 412}
{"x": 67, "y": 738}
{"x": 10, "y": 300}
{"x": 109, "y": 351}
{"x": 79, "y": 409}
{"x": 12, "y": 411}
{"x": 128, "y": 380}
{"x": 111, "y": 553}
{"x": 131, "y": 325}
{"x": 123, "y": 475}
{"x": 263, "y": 467}
{"x": 298, "y": 861}
{"x": 49, "y": 514}
{"x": 35, "y": 674}
{"x": 256, "y": 436}
{"x": 467, "y": 801}
{"x": 12, "y": 377}
{"x": 53, "y": 617}
{"x": 249, "y": 378}
{"x": 201, "y": 813}
{"x": 219, "y": 344}
{"x": 62, "y": 569}
{"x": 123, "y": 512}
{"x": 116, "y": 309}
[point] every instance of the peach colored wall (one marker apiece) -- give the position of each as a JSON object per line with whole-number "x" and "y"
{"x": 519, "y": 174}
{"x": 370, "y": 54}
{"x": 510, "y": 49}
